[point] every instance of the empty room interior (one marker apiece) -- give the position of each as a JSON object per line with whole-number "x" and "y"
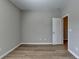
{"x": 39, "y": 29}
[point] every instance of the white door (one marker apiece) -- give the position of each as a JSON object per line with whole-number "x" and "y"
{"x": 57, "y": 31}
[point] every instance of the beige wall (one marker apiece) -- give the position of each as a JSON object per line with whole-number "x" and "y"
{"x": 9, "y": 26}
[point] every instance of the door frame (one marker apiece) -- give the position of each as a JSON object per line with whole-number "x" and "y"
{"x": 68, "y": 27}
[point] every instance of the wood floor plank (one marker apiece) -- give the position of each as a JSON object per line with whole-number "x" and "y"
{"x": 40, "y": 52}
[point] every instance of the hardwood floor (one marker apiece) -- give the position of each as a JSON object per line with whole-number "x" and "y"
{"x": 66, "y": 44}
{"x": 40, "y": 52}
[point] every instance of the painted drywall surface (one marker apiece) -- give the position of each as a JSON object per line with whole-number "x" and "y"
{"x": 73, "y": 11}
{"x": 37, "y": 26}
{"x": 9, "y": 26}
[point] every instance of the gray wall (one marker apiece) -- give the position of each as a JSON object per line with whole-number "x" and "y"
{"x": 9, "y": 26}
{"x": 73, "y": 11}
{"x": 36, "y": 26}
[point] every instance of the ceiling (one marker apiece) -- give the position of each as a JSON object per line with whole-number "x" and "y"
{"x": 39, "y": 4}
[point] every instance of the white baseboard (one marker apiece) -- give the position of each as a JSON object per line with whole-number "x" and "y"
{"x": 57, "y": 43}
{"x": 75, "y": 55}
{"x": 9, "y": 51}
{"x": 37, "y": 43}
{"x": 19, "y": 45}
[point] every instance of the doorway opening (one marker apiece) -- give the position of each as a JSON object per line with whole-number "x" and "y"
{"x": 65, "y": 32}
